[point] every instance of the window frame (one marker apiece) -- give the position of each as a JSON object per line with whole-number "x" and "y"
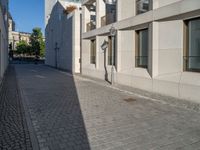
{"x": 137, "y": 49}
{"x": 93, "y": 51}
{"x": 150, "y": 7}
{"x": 186, "y": 46}
{"x": 110, "y": 44}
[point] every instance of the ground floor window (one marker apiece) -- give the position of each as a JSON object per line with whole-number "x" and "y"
{"x": 142, "y": 47}
{"x": 110, "y": 44}
{"x": 93, "y": 51}
{"x": 192, "y": 48}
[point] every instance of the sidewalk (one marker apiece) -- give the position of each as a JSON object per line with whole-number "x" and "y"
{"x": 14, "y": 134}
{"x": 190, "y": 105}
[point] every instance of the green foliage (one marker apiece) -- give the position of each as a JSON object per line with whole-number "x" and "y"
{"x": 36, "y": 45}
{"x": 42, "y": 49}
{"x": 23, "y": 47}
{"x": 37, "y": 42}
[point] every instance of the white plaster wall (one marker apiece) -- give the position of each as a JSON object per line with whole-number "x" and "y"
{"x": 76, "y": 40}
{"x": 126, "y": 50}
{"x": 170, "y": 47}
{"x": 125, "y": 9}
{"x": 162, "y": 3}
{"x": 3, "y": 44}
{"x": 65, "y": 31}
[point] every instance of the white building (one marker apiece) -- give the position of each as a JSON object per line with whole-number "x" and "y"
{"x": 16, "y": 37}
{"x": 11, "y": 28}
{"x": 3, "y": 36}
{"x": 62, "y": 35}
{"x": 157, "y": 44}
{"x": 49, "y": 4}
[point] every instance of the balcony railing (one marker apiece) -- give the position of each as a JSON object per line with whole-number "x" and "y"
{"x": 192, "y": 63}
{"x": 141, "y": 61}
{"x": 91, "y": 26}
{"x": 108, "y": 19}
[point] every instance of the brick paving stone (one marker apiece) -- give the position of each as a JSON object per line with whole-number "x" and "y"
{"x": 14, "y": 134}
{"x": 72, "y": 112}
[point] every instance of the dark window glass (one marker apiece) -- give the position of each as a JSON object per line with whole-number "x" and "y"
{"x": 93, "y": 51}
{"x": 192, "y": 57}
{"x": 142, "y": 48}
{"x": 110, "y": 50}
{"x": 142, "y": 6}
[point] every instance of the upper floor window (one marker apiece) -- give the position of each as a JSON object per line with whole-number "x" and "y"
{"x": 192, "y": 48}
{"x": 91, "y": 25}
{"x": 110, "y": 12}
{"x": 142, "y": 6}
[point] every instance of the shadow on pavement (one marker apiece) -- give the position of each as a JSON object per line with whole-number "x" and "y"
{"x": 54, "y": 107}
{"x": 14, "y": 134}
{"x": 24, "y": 60}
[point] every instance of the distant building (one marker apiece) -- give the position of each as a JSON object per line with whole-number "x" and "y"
{"x": 3, "y": 36}
{"x": 11, "y": 28}
{"x": 14, "y": 36}
{"x": 62, "y": 35}
{"x": 19, "y": 36}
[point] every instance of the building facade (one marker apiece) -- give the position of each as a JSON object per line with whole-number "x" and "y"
{"x": 3, "y": 36}
{"x": 156, "y": 46}
{"x": 62, "y": 35}
{"x": 49, "y": 4}
{"x": 11, "y": 28}
{"x": 15, "y": 37}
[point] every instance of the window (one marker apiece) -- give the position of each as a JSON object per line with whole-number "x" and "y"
{"x": 93, "y": 51}
{"x": 142, "y": 6}
{"x": 192, "y": 47}
{"x": 110, "y": 50}
{"x": 142, "y": 48}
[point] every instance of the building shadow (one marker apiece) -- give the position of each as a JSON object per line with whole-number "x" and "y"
{"x": 54, "y": 107}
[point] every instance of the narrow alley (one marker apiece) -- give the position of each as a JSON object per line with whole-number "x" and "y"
{"x": 47, "y": 109}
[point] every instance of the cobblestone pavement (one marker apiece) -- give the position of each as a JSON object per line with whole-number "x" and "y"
{"x": 77, "y": 113}
{"x": 14, "y": 134}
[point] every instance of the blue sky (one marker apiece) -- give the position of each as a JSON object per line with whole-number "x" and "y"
{"x": 27, "y": 14}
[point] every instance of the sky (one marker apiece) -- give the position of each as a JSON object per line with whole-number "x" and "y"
{"x": 27, "y": 14}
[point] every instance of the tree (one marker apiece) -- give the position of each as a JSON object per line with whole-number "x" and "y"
{"x": 37, "y": 42}
{"x": 22, "y": 47}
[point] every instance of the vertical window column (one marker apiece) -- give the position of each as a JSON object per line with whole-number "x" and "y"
{"x": 110, "y": 50}
{"x": 93, "y": 51}
{"x": 142, "y": 48}
{"x": 192, "y": 50}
